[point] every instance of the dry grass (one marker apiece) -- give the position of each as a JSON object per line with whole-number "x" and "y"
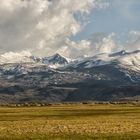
{"x": 79, "y": 121}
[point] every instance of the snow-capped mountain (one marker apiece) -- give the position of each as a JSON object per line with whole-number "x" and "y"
{"x": 103, "y": 77}
{"x": 55, "y": 61}
{"x": 122, "y": 58}
{"x": 127, "y": 61}
{"x": 130, "y": 61}
{"x": 121, "y": 53}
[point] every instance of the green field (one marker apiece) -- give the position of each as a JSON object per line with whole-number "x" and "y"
{"x": 71, "y": 122}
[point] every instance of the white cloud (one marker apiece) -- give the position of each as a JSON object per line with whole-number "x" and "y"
{"x": 105, "y": 44}
{"x": 41, "y": 26}
{"x": 98, "y": 43}
{"x": 135, "y": 33}
{"x": 11, "y": 57}
{"x": 44, "y": 27}
{"x": 78, "y": 48}
{"x": 134, "y": 41}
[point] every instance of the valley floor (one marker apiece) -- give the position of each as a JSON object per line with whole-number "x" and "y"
{"x": 71, "y": 122}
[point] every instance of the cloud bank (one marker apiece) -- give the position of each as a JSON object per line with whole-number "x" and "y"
{"x": 40, "y": 26}
{"x": 45, "y": 27}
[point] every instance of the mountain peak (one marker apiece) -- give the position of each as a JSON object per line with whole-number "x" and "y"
{"x": 56, "y": 59}
{"x": 120, "y": 53}
{"x": 56, "y": 56}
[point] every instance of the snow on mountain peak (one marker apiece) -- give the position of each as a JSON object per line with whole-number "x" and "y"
{"x": 55, "y": 60}
{"x": 123, "y": 58}
{"x": 131, "y": 60}
{"x": 121, "y": 53}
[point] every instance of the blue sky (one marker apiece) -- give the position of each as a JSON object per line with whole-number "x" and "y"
{"x": 121, "y": 17}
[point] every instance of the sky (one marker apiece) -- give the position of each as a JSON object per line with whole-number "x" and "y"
{"x": 68, "y": 27}
{"x": 120, "y": 17}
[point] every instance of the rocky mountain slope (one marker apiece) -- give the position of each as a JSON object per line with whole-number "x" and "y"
{"x": 103, "y": 77}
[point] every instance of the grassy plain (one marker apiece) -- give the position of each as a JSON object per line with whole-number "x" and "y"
{"x": 71, "y": 122}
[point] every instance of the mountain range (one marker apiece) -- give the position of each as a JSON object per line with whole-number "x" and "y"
{"x": 102, "y": 77}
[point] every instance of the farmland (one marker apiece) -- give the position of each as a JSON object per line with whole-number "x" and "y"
{"x": 71, "y": 122}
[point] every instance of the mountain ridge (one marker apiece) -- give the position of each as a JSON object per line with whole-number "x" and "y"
{"x": 98, "y": 78}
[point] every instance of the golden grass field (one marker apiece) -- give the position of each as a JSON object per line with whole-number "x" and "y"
{"x": 71, "y": 122}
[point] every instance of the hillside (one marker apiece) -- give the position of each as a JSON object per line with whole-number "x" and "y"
{"x": 104, "y": 77}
